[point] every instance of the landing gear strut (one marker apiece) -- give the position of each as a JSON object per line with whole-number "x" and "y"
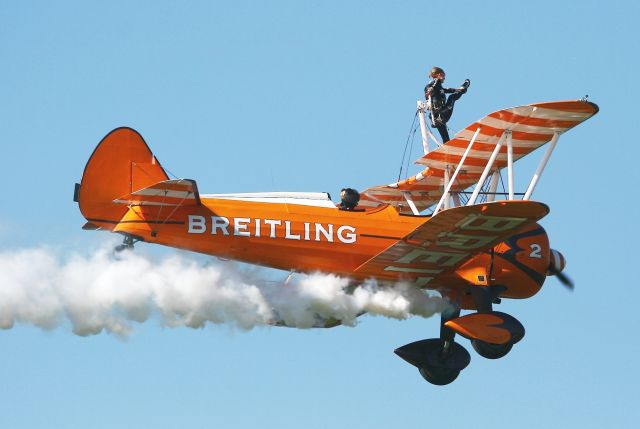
{"x": 127, "y": 243}
{"x": 484, "y": 299}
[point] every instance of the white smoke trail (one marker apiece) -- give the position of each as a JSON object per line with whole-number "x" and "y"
{"x": 100, "y": 292}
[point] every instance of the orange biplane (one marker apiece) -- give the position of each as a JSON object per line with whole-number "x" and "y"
{"x": 472, "y": 248}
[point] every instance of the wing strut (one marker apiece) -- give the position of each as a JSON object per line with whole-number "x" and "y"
{"x": 543, "y": 164}
{"x": 510, "y": 163}
{"x": 447, "y": 200}
{"x": 447, "y": 188}
{"x": 485, "y": 173}
{"x": 412, "y": 205}
{"x": 493, "y": 187}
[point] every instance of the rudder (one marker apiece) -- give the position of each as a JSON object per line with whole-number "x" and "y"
{"x": 120, "y": 164}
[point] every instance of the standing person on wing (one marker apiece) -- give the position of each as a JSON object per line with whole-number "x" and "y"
{"x": 441, "y": 106}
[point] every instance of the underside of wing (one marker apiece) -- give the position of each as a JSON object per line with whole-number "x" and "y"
{"x": 449, "y": 239}
{"x": 531, "y": 126}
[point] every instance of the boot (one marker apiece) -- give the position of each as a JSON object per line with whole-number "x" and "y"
{"x": 465, "y": 85}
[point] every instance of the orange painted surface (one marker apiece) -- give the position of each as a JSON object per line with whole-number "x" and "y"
{"x": 285, "y": 236}
{"x": 480, "y": 326}
{"x": 307, "y": 239}
{"x": 121, "y": 163}
{"x": 531, "y": 127}
{"x": 124, "y": 189}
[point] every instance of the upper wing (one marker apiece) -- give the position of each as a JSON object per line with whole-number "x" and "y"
{"x": 450, "y": 238}
{"x": 179, "y": 192}
{"x": 532, "y": 126}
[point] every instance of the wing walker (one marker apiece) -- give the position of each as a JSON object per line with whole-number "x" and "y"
{"x": 445, "y": 229}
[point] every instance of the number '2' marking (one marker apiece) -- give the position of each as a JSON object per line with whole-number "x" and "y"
{"x": 536, "y": 250}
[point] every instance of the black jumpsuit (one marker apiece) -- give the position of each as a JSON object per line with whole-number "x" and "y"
{"x": 441, "y": 105}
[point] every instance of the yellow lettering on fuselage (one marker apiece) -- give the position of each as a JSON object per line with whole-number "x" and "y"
{"x": 473, "y": 233}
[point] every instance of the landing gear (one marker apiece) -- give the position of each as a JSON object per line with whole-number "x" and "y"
{"x": 439, "y": 360}
{"x": 492, "y": 335}
{"x": 439, "y": 376}
{"x": 127, "y": 243}
{"x": 484, "y": 298}
{"x": 491, "y": 351}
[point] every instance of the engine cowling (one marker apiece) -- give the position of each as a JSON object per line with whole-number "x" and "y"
{"x": 521, "y": 263}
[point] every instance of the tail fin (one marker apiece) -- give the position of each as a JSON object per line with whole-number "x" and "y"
{"x": 121, "y": 164}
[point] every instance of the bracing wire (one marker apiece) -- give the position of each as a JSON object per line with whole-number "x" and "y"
{"x": 504, "y": 188}
{"x": 170, "y": 173}
{"x": 404, "y": 154}
{"x": 485, "y": 189}
{"x": 464, "y": 199}
{"x": 413, "y": 139}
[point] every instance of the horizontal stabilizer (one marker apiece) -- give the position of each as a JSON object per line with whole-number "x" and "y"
{"x": 179, "y": 192}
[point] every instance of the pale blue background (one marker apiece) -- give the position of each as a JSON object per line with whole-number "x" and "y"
{"x": 315, "y": 96}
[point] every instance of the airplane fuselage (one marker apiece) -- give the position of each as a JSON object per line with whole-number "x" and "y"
{"x": 303, "y": 238}
{"x": 278, "y": 235}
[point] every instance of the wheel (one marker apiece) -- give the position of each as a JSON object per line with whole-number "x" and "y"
{"x": 491, "y": 351}
{"x": 427, "y": 356}
{"x": 438, "y": 375}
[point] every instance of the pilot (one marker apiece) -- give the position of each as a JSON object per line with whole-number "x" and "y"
{"x": 349, "y": 199}
{"x": 442, "y": 106}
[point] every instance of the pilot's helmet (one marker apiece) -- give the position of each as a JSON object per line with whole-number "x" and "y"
{"x": 349, "y": 198}
{"x": 436, "y": 71}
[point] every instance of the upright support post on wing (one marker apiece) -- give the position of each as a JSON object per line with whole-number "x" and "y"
{"x": 422, "y": 106}
{"x": 485, "y": 173}
{"x": 447, "y": 189}
{"x": 543, "y": 164}
{"x": 447, "y": 200}
{"x": 493, "y": 187}
{"x": 509, "y": 163}
{"x": 412, "y": 205}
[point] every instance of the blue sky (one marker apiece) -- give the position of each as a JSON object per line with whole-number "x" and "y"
{"x": 316, "y": 96}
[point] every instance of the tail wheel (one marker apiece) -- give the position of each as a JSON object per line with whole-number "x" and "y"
{"x": 491, "y": 351}
{"x": 438, "y": 375}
